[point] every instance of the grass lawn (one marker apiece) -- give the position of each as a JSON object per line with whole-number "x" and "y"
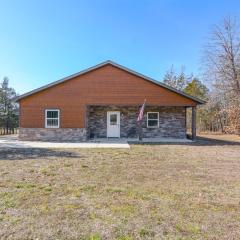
{"x": 189, "y": 191}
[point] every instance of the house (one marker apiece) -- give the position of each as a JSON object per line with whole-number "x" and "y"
{"x": 103, "y": 101}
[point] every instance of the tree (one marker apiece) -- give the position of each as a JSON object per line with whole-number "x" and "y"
{"x": 197, "y": 88}
{"x": 222, "y": 67}
{"x": 222, "y": 56}
{"x": 178, "y": 81}
{"x": 210, "y": 114}
{"x": 8, "y": 108}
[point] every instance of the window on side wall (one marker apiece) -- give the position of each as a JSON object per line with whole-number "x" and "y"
{"x": 52, "y": 118}
{"x": 153, "y": 119}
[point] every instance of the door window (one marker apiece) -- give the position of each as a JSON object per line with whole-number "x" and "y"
{"x": 113, "y": 119}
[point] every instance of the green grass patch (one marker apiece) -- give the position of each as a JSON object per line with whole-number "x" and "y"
{"x": 146, "y": 233}
{"x": 25, "y": 185}
{"x": 124, "y": 210}
{"x": 94, "y": 237}
{"x": 7, "y": 200}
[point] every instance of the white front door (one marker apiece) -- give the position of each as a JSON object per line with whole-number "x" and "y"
{"x": 113, "y": 124}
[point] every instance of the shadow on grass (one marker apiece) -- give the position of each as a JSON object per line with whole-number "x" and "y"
{"x": 204, "y": 141}
{"x": 35, "y": 153}
{"x": 200, "y": 141}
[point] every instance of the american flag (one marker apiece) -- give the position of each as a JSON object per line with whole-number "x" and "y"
{"x": 141, "y": 111}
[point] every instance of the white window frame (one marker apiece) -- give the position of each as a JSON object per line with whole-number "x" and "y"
{"x": 46, "y": 126}
{"x": 153, "y": 119}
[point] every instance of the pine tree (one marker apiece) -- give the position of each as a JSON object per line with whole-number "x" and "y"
{"x": 8, "y": 108}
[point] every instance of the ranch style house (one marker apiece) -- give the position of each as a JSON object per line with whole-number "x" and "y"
{"x": 103, "y": 102}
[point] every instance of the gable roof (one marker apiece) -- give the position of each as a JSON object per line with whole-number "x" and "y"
{"x": 199, "y": 101}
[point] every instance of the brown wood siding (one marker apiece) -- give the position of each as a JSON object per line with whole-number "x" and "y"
{"x": 107, "y": 85}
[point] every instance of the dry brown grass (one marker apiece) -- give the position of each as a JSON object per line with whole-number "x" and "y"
{"x": 221, "y": 136}
{"x": 147, "y": 192}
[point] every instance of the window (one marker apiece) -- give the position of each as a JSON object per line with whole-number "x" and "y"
{"x": 113, "y": 119}
{"x": 52, "y": 118}
{"x": 152, "y": 119}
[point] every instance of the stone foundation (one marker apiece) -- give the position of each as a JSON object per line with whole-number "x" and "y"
{"x": 172, "y": 122}
{"x": 53, "y": 134}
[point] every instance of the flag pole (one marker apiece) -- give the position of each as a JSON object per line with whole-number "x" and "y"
{"x": 140, "y": 120}
{"x": 140, "y": 131}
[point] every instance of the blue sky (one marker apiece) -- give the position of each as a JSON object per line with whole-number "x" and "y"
{"x": 43, "y": 41}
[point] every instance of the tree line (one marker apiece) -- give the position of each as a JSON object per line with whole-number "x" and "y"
{"x": 221, "y": 72}
{"x": 8, "y": 108}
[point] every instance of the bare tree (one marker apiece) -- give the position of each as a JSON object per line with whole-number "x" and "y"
{"x": 222, "y": 65}
{"x": 222, "y": 56}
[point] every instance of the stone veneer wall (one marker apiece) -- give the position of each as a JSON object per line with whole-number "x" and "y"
{"x": 172, "y": 124}
{"x": 53, "y": 134}
{"x": 172, "y": 121}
